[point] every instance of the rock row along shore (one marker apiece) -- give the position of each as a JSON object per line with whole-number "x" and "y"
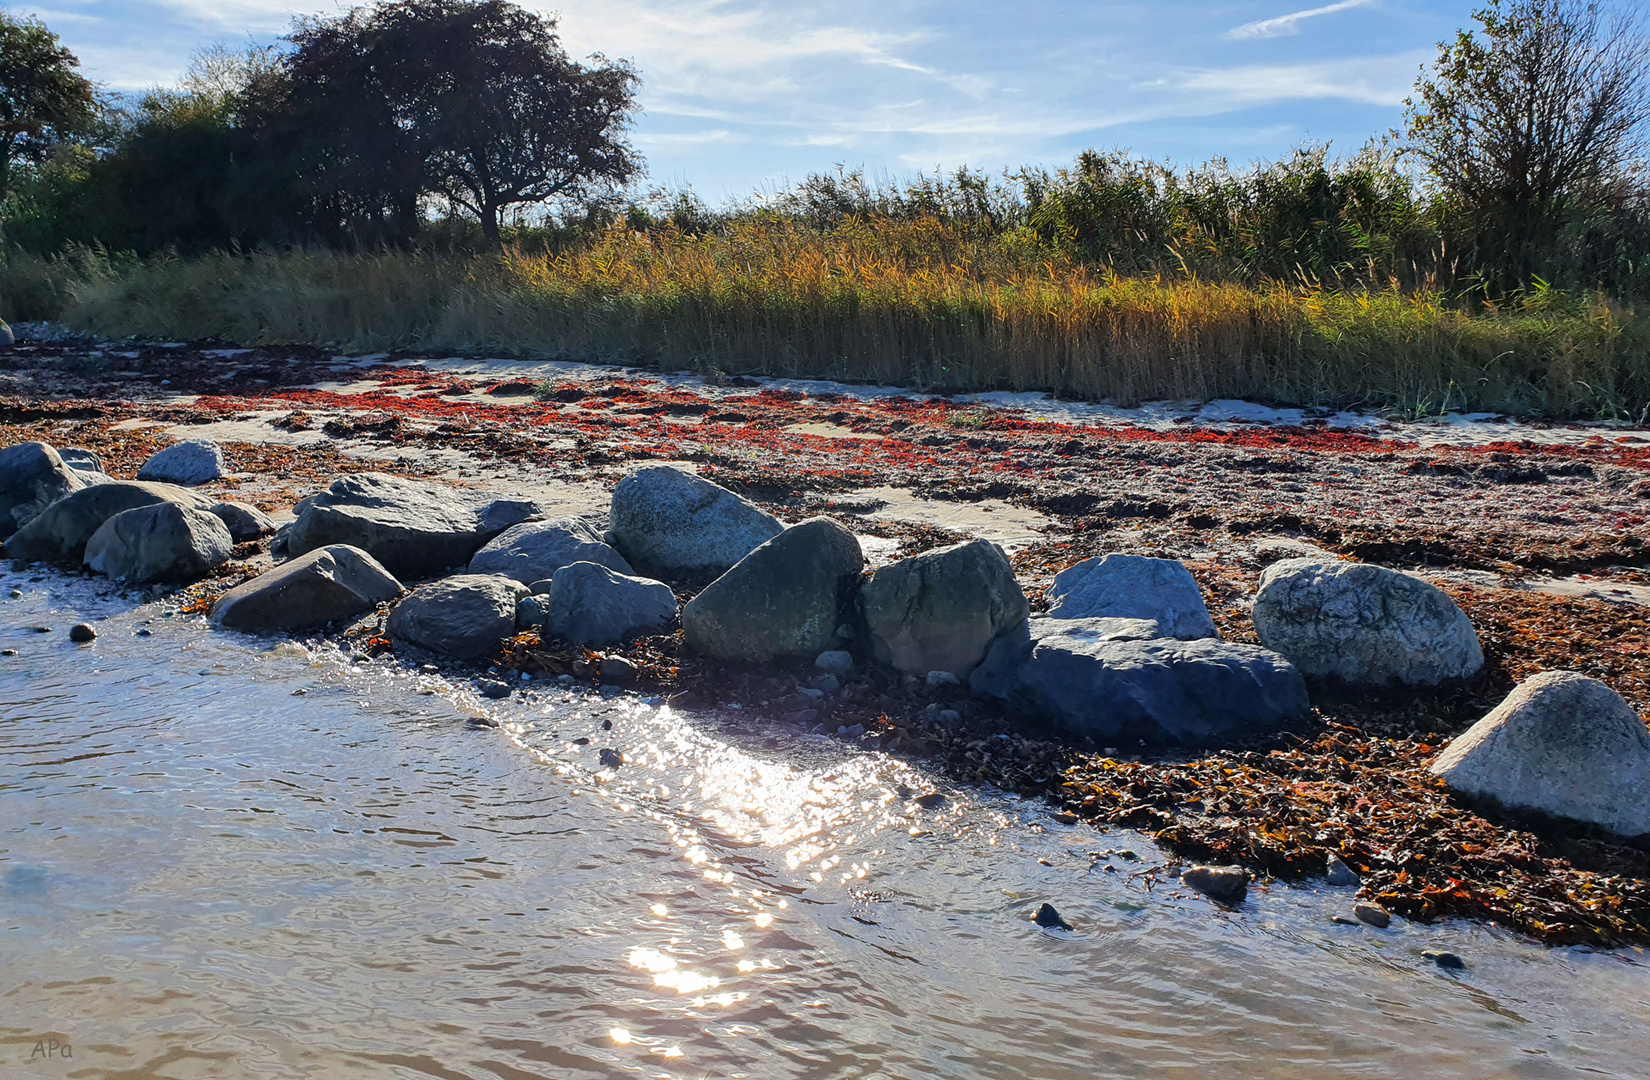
{"x": 1127, "y": 648}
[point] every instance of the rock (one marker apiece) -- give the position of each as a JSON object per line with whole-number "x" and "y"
{"x": 534, "y": 550}
{"x": 32, "y": 477}
{"x": 327, "y": 585}
{"x": 1133, "y": 587}
{"x": 616, "y": 669}
{"x": 1010, "y": 650}
{"x": 783, "y": 599}
{"x": 940, "y": 611}
{"x": 462, "y": 616}
{"x": 1364, "y": 625}
{"x": 664, "y": 518}
{"x": 163, "y": 542}
{"x": 1099, "y": 678}
{"x": 540, "y": 588}
{"x": 1373, "y": 914}
{"x": 189, "y": 462}
{"x": 1227, "y": 884}
{"x": 1446, "y": 960}
{"x": 496, "y": 689}
{"x": 588, "y": 604}
{"x": 7, "y": 338}
{"x": 1048, "y": 918}
{"x": 609, "y": 758}
{"x": 1339, "y": 873}
{"x": 80, "y": 459}
{"x": 245, "y": 522}
{"x": 827, "y": 684}
{"x": 938, "y": 680}
{"x": 60, "y": 532}
{"x": 533, "y": 612}
{"x": 835, "y": 662}
{"x": 1560, "y": 743}
{"x": 413, "y": 528}
{"x": 80, "y": 633}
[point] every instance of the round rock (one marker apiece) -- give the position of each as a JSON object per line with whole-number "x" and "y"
{"x": 187, "y": 463}
{"x": 534, "y": 550}
{"x": 244, "y": 521}
{"x": 162, "y": 542}
{"x": 664, "y": 518}
{"x": 462, "y": 616}
{"x": 1132, "y": 587}
{"x": 590, "y": 604}
{"x": 941, "y": 610}
{"x": 32, "y": 477}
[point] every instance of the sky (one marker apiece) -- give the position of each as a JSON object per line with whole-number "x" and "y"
{"x": 744, "y": 95}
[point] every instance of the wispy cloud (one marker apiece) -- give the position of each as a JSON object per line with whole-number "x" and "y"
{"x": 1284, "y": 25}
{"x": 1370, "y": 81}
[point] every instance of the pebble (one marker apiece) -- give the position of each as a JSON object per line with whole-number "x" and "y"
{"x": 17, "y": 594}
{"x": 40, "y": 629}
{"x": 1049, "y": 918}
{"x": 611, "y": 691}
{"x": 607, "y": 725}
{"x": 145, "y": 632}
{"x": 1373, "y": 914}
{"x": 429, "y": 669}
{"x": 1343, "y": 920}
{"x": 1225, "y": 884}
{"x": 564, "y": 680}
{"x": 1339, "y": 873}
{"x": 482, "y": 721}
{"x": 930, "y": 800}
{"x": 493, "y": 688}
{"x": 82, "y": 633}
{"x": 610, "y": 759}
{"x": 8, "y": 652}
{"x": 811, "y": 693}
{"x": 1447, "y": 960}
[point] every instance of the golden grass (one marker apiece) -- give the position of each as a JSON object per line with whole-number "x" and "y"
{"x": 908, "y": 303}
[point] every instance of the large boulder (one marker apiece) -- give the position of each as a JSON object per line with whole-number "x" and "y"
{"x": 1560, "y": 743}
{"x": 164, "y": 542}
{"x": 327, "y": 585}
{"x": 1110, "y": 679}
{"x": 589, "y": 604}
{"x": 1364, "y": 625}
{"x": 941, "y": 610}
{"x": 60, "y": 532}
{"x": 186, "y": 463}
{"x": 1132, "y": 587}
{"x": 32, "y": 477}
{"x": 413, "y": 528}
{"x": 462, "y": 616}
{"x": 786, "y": 598}
{"x": 535, "y": 550}
{"x": 245, "y": 521}
{"x": 664, "y": 518}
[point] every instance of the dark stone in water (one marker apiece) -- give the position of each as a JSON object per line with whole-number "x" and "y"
{"x": 610, "y": 759}
{"x": 1446, "y": 960}
{"x": 1048, "y": 917}
{"x": 8, "y": 652}
{"x": 493, "y": 688}
{"x": 1225, "y": 884}
{"x": 930, "y": 800}
{"x": 145, "y": 632}
{"x": 82, "y": 633}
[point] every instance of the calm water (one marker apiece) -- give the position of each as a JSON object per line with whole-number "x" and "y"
{"x": 202, "y": 874}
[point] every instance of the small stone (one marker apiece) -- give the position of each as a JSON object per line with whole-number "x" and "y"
{"x": 827, "y": 684}
{"x": 835, "y": 661}
{"x": 428, "y": 669}
{"x": 8, "y": 652}
{"x": 937, "y": 679}
{"x": 1373, "y": 914}
{"x": 564, "y": 680}
{"x": 845, "y": 632}
{"x": 1048, "y": 918}
{"x": 851, "y": 732}
{"x": 611, "y": 691}
{"x": 610, "y": 759}
{"x": 1339, "y": 873}
{"x": 1446, "y": 960}
{"x": 931, "y": 800}
{"x": 1225, "y": 884}
{"x": 145, "y": 632}
{"x": 811, "y": 693}
{"x": 82, "y": 632}
{"x": 493, "y": 688}
{"x": 617, "y": 669}
{"x": 17, "y": 594}
{"x": 950, "y": 716}
{"x": 1342, "y": 920}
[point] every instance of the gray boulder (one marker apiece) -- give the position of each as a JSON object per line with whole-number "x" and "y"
{"x": 462, "y": 616}
{"x": 413, "y": 528}
{"x": 80, "y": 459}
{"x": 1110, "y": 679}
{"x": 664, "y": 518}
{"x": 786, "y": 598}
{"x": 60, "y": 532}
{"x": 589, "y": 604}
{"x": 1560, "y": 743}
{"x": 32, "y": 477}
{"x": 327, "y": 585}
{"x": 941, "y": 610}
{"x": 187, "y": 463}
{"x": 1364, "y": 625}
{"x": 1132, "y": 587}
{"x": 245, "y": 521}
{"x": 164, "y": 542}
{"x": 534, "y": 550}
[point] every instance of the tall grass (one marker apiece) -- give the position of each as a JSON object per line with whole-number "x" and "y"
{"x": 917, "y": 302}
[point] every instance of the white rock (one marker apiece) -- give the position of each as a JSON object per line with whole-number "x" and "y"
{"x": 190, "y": 462}
{"x": 1560, "y": 743}
{"x": 1132, "y": 587}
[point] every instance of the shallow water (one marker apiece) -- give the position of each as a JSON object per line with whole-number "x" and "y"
{"x": 202, "y": 874}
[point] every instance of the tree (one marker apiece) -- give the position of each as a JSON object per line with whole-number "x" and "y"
{"x": 1538, "y": 115}
{"x": 43, "y": 96}
{"x": 472, "y": 101}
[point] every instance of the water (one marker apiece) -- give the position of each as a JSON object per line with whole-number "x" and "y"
{"x": 203, "y": 875}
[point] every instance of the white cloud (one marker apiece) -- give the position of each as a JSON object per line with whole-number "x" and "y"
{"x": 1284, "y": 25}
{"x": 1370, "y": 81}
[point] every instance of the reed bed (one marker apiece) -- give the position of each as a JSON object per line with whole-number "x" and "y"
{"x": 913, "y": 303}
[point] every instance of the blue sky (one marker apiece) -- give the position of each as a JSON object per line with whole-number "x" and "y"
{"x": 743, "y": 93}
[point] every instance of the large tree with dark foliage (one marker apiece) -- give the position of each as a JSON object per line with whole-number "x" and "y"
{"x": 471, "y": 101}
{"x": 43, "y": 96}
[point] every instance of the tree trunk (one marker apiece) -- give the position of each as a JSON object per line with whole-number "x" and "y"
{"x": 489, "y": 222}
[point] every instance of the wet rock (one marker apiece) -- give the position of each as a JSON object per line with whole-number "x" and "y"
{"x": 664, "y": 518}
{"x": 164, "y": 542}
{"x": 32, "y": 477}
{"x": 589, "y": 604}
{"x": 1338, "y": 873}
{"x": 60, "y": 532}
{"x": 496, "y": 689}
{"x": 783, "y": 599}
{"x": 618, "y": 670}
{"x": 1133, "y": 587}
{"x": 80, "y": 633}
{"x": 1561, "y": 743}
{"x": 414, "y": 529}
{"x": 327, "y": 585}
{"x": 1096, "y": 677}
{"x": 186, "y": 463}
{"x": 244, "y": 521}
{"x": 1227, "y": 884}
{"x": 534, "y": 550}
{"x": 1364, "y": 625}
{"x": 609, "y": 759}
{"x": 1373, "y": 914}
{"x": 1446, "y": 960}
{"x": 1048, "y": 918}
{"x": 463, "y": 616}
{"x": 835, "y": 662}
{"x": 930, "y": 801}
{"x": 940, "y": 611}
